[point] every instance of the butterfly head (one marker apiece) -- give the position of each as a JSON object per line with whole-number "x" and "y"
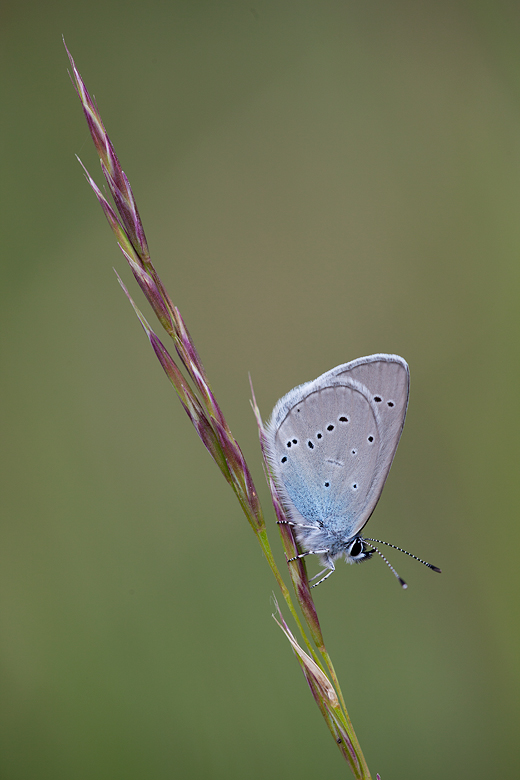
{"x": 356, "y": 550}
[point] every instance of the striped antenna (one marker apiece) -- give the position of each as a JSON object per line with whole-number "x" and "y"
{"x": 401, "y": 581}
{"x": 395, "y": 547}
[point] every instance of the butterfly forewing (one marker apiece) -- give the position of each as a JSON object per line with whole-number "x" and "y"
{"x": 332, "y": 441}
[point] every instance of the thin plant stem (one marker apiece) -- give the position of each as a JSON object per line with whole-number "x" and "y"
{"x": 196, "y": 396}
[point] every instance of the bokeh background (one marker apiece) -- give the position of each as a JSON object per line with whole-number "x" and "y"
{"x": 318, "y": 181}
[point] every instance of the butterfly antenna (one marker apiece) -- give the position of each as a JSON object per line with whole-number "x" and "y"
{"x": 402, "y": 582}
{"x": 429, "y": 565}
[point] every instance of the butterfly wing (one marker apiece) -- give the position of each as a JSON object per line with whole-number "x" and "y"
{"x": 331, "y": 442}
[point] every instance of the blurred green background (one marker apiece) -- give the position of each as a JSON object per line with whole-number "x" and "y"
{"x": 318, "y": 181}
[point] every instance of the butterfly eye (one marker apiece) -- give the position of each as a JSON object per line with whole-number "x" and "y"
{"x": 356, "y": 548}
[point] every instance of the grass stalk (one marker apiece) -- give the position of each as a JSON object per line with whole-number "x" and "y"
{"x": 188, "y": 377}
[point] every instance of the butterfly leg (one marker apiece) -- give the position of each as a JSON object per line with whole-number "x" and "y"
{"x": 330, "y": 568}
{"x": 309, "y": 552}
{"x": 330, "y": 563}
{"x": 295, "y": 525}
{"x": 329, "y": 572}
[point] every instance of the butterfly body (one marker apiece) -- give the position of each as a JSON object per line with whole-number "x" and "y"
{"x": 331, "y": 443}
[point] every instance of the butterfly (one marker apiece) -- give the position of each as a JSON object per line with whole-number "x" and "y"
{"x": 330, "y": 445}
